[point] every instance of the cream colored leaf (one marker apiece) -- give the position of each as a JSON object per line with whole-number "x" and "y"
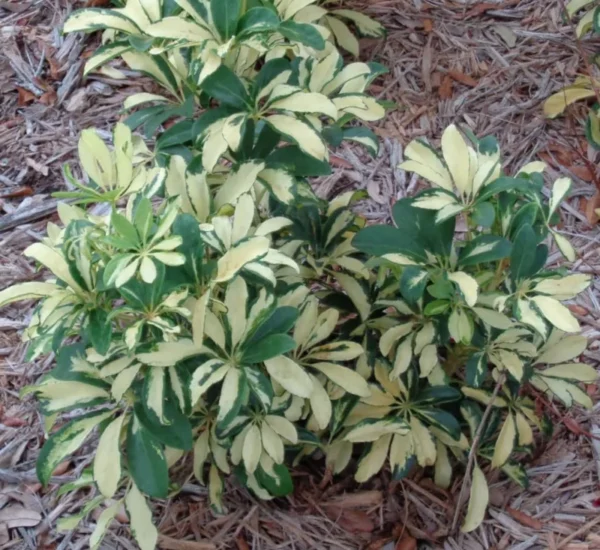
{"x": 301, "y": 133}
{"x": 140, "y": 516}
{"x": 272, "y": 443}
{"x": 478, "y": 501}
{"x": 26, "y": 291}
{"x": 373, "y": 461}
{"x": 505, "y": 442}
{"x": 237, "y": 257}
{"x": 320, "y": 403}
{"x": 107, "y": 460}
{"x": 252, "y": 449}
{"x": 558, "y": 102}
{"x": 54, "y": 261}
{"x": 123, "y": 381}
{"x": 556, "y": 313}
{"x": 344, "y": 377}
{"x": 199, "y": 318}
{"x": 423, "y": 443}
{"x": 304, "y": 102}
{"x": 290, "y": 376}
{"x": 468, "y": 286}
{"x": 283, "y": 427}
{"x": 564, "y": 288}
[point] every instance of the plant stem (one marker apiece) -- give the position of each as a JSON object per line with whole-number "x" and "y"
{"x": 473, "y": 450}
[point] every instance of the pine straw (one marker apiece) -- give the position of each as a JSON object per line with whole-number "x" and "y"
{"x": 486, "y": 69}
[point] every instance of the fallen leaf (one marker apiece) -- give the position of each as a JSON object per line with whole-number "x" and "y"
{"x": 427, "y": 25}
{"x": 507, "y": 34}
{"x": 578, "y": 310}
{"x": 19, "y": 516}
{"x": 49, "y": 98}
{"x": 97, "y": 3}
{"x": 77, "y": 101}
{"x": 590, "y": 207}
{"x": 25, "y": 97}
{"x": 25, "y": 191}
{"x": 241, "y": 543}
{"x": 406, "y": 543}
{"x": 525, "y": 519}
{"x": 463, "y": 78}
{"x": 13, "y": 422}
{"x": 54, "y": 67}
{"x": 14, "y": 6}
{"x": 572, "y": 425}
{"x": 582, "y": 172}
{"x": 168, "y": 543}
{"x": 487, "y": 6}
{"x": 379, "y": 544}
{"x": 446, "y": 91}
{"x": 340, "y": 162}
{"x": 362, "y": 499}
{"x": 62, "y": 468}
{"x": 37, "y": 166}
{"x": 591, "y": 389}
{"x": 353, "y": 521}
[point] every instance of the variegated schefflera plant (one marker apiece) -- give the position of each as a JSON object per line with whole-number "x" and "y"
{"x": 179, "y": 305}
{"x": 479, "y": 332}
{"x": 210, "y": 304}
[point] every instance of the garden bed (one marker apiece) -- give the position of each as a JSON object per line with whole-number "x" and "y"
{"x": 487, "y": 66}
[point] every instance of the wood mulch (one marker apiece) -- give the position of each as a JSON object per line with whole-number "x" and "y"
{"x": 487, "y": 66}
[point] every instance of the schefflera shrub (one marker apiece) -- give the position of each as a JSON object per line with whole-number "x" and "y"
{"x": 214, "y": 306}
{"x": 476, "y": 340}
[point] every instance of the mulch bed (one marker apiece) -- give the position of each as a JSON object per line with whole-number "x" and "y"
{"x": 485, "y": 65}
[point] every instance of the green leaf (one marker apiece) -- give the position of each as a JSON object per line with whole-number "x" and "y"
{"x": 437, "y": 307}
{"x": 522, "y": 258}
{"x": 225, "y": 86}
{"x": 178, "y": 134}
{"x": 261, "y": 387}
{"x": 270, "y": 70}
{"x": 69, "y": 369}
{"x": 278, "y": 482}
{"x": 143, "y": 218}
{"x": 484, "y": 214}
{"x": 525, "y": 215}
{"x": 279, "y": 321}
{"x": 175, "y": 433}
{"x": 125, "y": 229}
{"x": 413, "y": 282}
{"x": 365, "y": 137}
{"x": 186, "y": 226}
{"x": 442, "y": 420}
{"x": 302, "y": 32}
{"x": 378, "y": 240}
{"x": 100, "y": 330}
{"x": 476, "y": 369}
{"x": 234, "y": 393}
{"x": 257, "y": 20}
{"x": 267, "y": 348}
{"x": 442, "y": 289}
{"x": 297, "y": 162}
{"x": 420, "y": 226}
{"x": 146, "y": 459}
{"x": 437, "y": 395}
{"x": 501, "y": 185}
{"x": 592, "y": 128}
{"x": 65, "y": 442}
{"x": 225, "y": 15}
{"x": 483, "y": 249}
